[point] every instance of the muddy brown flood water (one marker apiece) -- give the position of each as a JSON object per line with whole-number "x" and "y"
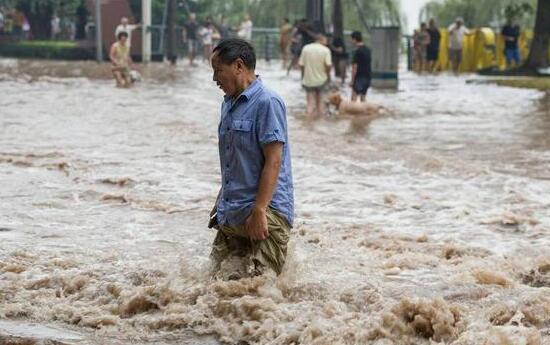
{"x": 429, "y": 226}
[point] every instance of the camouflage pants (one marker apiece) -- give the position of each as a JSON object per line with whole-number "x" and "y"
{"x": 271, "y": 252}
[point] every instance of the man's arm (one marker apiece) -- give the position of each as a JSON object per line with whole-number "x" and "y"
{"x": 353, "y": 73}
{"x": 256, "y": 224}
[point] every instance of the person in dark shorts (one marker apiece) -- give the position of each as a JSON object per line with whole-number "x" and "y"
{"x": 190, "y": 31}
{"x": 510, "y": 33}
{"x": 432, "y": 52}
{"x": 339, "y": 57}
{"x": 361, "y": 68}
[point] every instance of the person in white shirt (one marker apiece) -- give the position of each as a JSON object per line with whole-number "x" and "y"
{"x": 457, "y": 31}
{"x": 206, "y": 33}
{"x": 125, "y": 27}
{"x": 56, "y": 26}
{"x": 245, "y": 30}
{"x": 316, "y": 62}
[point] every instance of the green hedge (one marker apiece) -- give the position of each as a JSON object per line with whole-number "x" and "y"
{"x": 57, "y": 50}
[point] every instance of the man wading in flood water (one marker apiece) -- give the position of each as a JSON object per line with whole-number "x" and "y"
{"x": 254, "y": 210}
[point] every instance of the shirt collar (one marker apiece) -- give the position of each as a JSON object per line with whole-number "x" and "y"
{"x": 254, "y": 87}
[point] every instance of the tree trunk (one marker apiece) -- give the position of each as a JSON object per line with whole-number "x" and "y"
{"x": 338, "y": 18}
{"x": 39, "y": 18}
{"x": 338, "y": 33}
{"x": 171, "y": 26}
{"x": 81, "y": 21}
{"x": 315, "y": 14}
{"x": 538, "y": 54}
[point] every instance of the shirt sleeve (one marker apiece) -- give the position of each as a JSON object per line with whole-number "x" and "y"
{"x": 271, "y": 125}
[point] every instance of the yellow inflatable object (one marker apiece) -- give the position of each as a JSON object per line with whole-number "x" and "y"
{"x": 482, "y": 48}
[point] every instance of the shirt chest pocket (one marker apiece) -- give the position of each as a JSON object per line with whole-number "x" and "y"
{"x": 242, "y": 131}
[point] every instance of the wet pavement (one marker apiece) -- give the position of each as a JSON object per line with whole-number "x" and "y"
{"x": 429, "y": 223}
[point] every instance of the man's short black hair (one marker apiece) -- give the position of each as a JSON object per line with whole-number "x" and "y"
{"x": 231, "y": 49}
{"x": 122, "y": 33}
{"x": 357, "y": 35}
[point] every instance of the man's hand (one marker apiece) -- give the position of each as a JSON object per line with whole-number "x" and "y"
{"x": 256, "y": 224}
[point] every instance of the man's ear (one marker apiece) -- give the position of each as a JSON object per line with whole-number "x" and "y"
{"x": 239, "y": 65}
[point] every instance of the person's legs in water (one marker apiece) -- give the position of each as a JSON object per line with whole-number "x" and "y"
{"x": 233, "y": 242}
{"x": 343, "y": 68}
{"x": 191, "y": 47}
{"x": 119, "y": 78}
{"x": 319, "y": 104}
{"x": 207, "y": 52}
{"x": 310, "y": 104}
{"x": 353, "y": 96}
{"x": 456, "y": 58}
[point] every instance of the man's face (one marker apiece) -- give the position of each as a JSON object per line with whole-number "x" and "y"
{"x": 192, "y": 16}
{"x": 458, "y": 23}
{"x": 226, "y": 76}
{"x": 124, "y": 21}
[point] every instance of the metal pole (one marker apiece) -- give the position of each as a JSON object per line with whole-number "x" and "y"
{"x": 146, "y": 30}
{"x": 98, "y": 38}
{"x": 162, "y": 40}
{"x": 171, "y": 47}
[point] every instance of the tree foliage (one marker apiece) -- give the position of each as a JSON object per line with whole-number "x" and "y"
{"x": 270, "y": 13}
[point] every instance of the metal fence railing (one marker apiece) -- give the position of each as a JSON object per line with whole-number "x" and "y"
{"x": 264, "y": 40}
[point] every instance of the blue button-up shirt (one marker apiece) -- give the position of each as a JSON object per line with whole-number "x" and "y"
{"x": 257, "y": 117}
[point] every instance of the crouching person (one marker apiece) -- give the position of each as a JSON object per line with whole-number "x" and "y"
{"x": 121, "y": 60}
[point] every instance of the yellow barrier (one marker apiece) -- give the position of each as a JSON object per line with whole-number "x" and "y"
{"x": 481, "y": 49}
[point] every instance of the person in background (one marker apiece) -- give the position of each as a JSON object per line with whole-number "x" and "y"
{"x": 432, "y": 52}
{"x": 295, "y": 47}
{"x": 284, "y": 40}
{"x": 307, "y": 32}
{"x": 189, "y": 34}
{"x": 56, "y": 27}
{"x": 26, "y": 29}
{"x": 1, "y": 21}
{"x": 127, "y": 28}
{"x": 510, "y": 33}
{"x": 423, "y": 40}
{"x": 207, "y": 33}
{"x": 8, "y": 23}
{"x": 339, "y": 58}
{"x": 361, "y": 68}
{"x": 222, "y": 27}
{"x": 316, "y": 63}
{"x": 18, "y": 22}
{"x": 457, "y": 31}
{"x": 121, "y": 60}
{"x": 245, "y": 29}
